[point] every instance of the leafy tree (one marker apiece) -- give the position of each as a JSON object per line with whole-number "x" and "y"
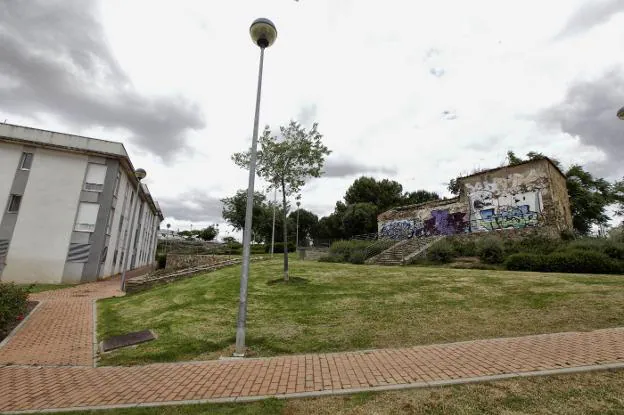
{"x": 360, "y": 218}
{"x": 453, "y": 186}
{"x": 209, "y": 233}
{"x": 589, "y": 198}
{"x": 308, "y": 224}
{"x": 234, "y": 211}
{"x": 512, "y": 159}
{"x": 384, "y": 194}
{"x": 287, "y": 163}
{"x": 420, "y": 196}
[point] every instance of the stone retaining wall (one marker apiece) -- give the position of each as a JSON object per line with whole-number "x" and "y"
{"x": 175, "y": 261}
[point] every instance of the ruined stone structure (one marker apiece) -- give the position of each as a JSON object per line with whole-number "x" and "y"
{"x": 532, "y": 194}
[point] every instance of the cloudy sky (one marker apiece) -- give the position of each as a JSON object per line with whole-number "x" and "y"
{"x": 419, "y": 92}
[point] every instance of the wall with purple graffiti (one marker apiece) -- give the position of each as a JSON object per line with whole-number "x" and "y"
{"x": 529, "y": 195}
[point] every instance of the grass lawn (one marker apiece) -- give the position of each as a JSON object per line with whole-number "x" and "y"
{"x": 588, "y": 393}
{"x": 37, "y": 288}
{"x": 350, "y": 307}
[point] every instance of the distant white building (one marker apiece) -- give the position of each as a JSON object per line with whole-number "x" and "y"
{"x": 67, "y": 203}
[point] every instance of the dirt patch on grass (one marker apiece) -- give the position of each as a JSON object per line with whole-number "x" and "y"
{"x": 291, "y": 281}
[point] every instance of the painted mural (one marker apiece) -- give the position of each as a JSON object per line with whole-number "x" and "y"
{"x": 441, "y": 222}
{"x": 490, "y": 211}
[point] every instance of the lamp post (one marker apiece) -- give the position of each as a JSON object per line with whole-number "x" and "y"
{"x": 297, "y": 237}
{"x": 273, "y": 229}
{"x": 140, "y": 175}
{"x": 263, "y": 34}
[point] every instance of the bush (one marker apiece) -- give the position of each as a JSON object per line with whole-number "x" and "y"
{"x": 463, "y": 247}
{"x": 279, "y": 248}
{"x": 490, "y": 251}
{"x": 614, "y": 250}
{"x": 258, "y": 249}
{"x": 357, "y": 257}
{"x": 332, "y": 258}
{"x": 161, "y": 259}
{"x": 13, "y": 300}
{"x": 441, "y": 252}
{"x": 567, "y": 235}
{"x": 353, "y": 251}
{"x": 575, "y": 261}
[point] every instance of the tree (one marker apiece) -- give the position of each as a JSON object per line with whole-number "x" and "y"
{"x": 384, "y": 194}
{"x": 308, "y": 223}
{"x": 420, "y": 196}
{"x": 360, "y": 218}
{"x": 209, "y": 233}
{"x": 453, "y": 186}
{"x": 589, "y": 198}
{"x": 512, "y": 159}
{"x": 234, "y": 211}
{"x": 287, "y": 163}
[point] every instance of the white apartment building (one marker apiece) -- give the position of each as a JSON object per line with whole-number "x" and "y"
{"x": 67, "y": 204}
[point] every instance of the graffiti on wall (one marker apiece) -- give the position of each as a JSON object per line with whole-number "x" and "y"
{"x": 397, "y": 229}
{"x": 490, "y": 211}
{"x": 441, "y": 222}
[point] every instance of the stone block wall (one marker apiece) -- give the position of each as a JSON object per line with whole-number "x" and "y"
{"x": 529, "y": 195}
{"x": 175, "y": 261}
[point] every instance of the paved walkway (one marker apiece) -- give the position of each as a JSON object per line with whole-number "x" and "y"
{"x": 48, "y": 364}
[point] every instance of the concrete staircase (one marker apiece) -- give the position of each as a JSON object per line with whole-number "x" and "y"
{"x": 403, "y": 251}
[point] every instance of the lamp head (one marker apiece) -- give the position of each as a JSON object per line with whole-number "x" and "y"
{"x": 140, "y": 174}
{"x": 263, "y": 32}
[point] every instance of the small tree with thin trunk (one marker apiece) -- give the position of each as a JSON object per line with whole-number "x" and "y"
{"x": 286, "y": 162}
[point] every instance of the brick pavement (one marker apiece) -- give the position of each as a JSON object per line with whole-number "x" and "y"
{"x": 30, "y": 387}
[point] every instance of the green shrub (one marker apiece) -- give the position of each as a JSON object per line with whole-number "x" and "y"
{"x": 332, "y": 258}
{"x": 161, "y": 259}
{"x": 463, "y": 246}
{"x": 574, "y": 261}
{"x": 525, "y": 262}
{"x": 567, "y": 235}
{"x": 279, "y": 247}
{"x": 614, "y": 250}
{"x": 13, "y": 300}
{"x": 353, "y": 251}
{"x": 441, "y": 252}
{"x": 357, "y": 257}
{"x": 490, "y": 251}
{"x": 538, "y": 244}
{"x": 258, "y": 249}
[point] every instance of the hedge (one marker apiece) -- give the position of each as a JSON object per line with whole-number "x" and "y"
{"x": 441, "y": 252}
{"x": 279, "y": 247}
{"x": 490, "y": 251}
{"x": 13, "y": 301}
{"x": 573, "y": 261}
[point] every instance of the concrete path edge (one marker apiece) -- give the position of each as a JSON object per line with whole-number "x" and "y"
{"x": 338, "y": 392}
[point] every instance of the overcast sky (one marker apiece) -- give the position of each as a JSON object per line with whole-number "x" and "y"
{"x": 419, "y": 92}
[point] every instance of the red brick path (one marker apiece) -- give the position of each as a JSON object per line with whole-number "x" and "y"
{"x": 31, "y": 387}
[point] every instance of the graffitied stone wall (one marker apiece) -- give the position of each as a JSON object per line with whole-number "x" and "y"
{"x": 529, "y": 195}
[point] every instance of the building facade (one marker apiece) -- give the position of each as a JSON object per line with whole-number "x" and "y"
{"x": 67, "y": 206}
{"x": 528, "y": 195}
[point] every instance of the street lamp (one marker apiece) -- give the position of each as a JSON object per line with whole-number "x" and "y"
{"x": 620, "y": 114}
{"x": 263, "y": 34}
{"x": 297, "y": 240}
{"x": 140, "y": 175}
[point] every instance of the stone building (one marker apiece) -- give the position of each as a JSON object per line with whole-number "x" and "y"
{"x": 531, "y": 194}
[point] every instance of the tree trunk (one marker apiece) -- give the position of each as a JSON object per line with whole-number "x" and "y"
{"x": 285, "y": 233}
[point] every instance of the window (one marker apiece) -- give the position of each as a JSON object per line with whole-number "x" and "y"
{"x": 117, "y": 180}
{"x": 109, "y": 225}
{"x": 87, "y": 217}
{"x": 26, "y": 161}
{"x": 121, "y": 221}
{"x": 115, "y": 258}
{"x": 14, "y": 203}
{"x": 96, "y": 173}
